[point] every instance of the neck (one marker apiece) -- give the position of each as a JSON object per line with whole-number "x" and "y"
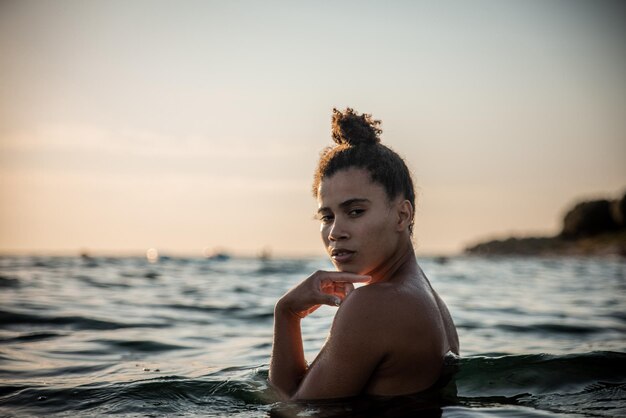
{"x": 401, "y": 264}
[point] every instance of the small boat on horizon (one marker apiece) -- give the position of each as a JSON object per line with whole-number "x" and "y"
{"x": 216, "y": 255}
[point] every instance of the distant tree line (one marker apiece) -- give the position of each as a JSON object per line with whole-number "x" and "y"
{"x": 594, "y": 217}
{"x": 595, "y": 227}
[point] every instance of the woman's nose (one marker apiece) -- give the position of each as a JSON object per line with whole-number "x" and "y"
{"x": 337, "y": 232}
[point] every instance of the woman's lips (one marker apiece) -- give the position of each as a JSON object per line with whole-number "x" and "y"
{"x": 342, "y": 256}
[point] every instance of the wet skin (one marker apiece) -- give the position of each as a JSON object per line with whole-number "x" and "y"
{"x": 388, "y": 337}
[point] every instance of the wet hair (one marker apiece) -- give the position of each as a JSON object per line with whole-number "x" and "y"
{"x": 358, "y": 145}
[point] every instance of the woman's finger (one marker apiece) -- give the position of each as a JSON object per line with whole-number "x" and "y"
{"x": 341, "y": 289}
{"x": 332, "y": 300}
{"x": 348, "y": 288}
{"x": 322, "y": 287}
{"x": 342, "y": 276}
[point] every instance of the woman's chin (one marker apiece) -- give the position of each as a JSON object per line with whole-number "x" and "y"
{"x": 348, "y": 269}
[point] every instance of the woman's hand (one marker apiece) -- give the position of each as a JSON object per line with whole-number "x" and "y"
{"x": 320, "y": 288}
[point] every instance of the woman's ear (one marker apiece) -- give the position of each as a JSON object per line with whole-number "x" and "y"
{"x": 405, "y": 215}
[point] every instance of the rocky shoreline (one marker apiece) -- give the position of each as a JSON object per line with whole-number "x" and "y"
{"x": 590, "y": 228}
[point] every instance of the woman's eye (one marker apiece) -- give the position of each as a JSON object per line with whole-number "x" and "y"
{"x": 356, "y": 212}
{"x": 326, "y": 219}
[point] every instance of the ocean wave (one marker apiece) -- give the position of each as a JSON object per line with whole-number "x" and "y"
{"x": 141, "y": 345}
{"x": 574, "y": 383}
{"x": 162, "y": 395}
{"x": 30, "y": 336}
{"x": 10, "y": 318}
{"x": 592, "y": 384}
{"x": 9, "y": 281}
{"x": 240, "y": 312}
{"x": 537, "y": 373}
{"x": 551, "y": 328}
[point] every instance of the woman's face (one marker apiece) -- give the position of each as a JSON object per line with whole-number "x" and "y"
{"x": 359, "y": 225}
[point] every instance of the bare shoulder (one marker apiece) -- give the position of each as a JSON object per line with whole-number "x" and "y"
{"x": 376, "y": 291}
{"x": 386, "y": 305}
{"x": 362, "y": 308}
{"x": 392, "y": 298}
{"x": 397, "y": 311}
{"x": 365, "y": 315}
{"x": 400, "y": 328}
{"x": 370, "y": 299}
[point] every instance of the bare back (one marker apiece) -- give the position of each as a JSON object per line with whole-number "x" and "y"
{"x": 416, "y": 331}
{"x": 388, "y": 338}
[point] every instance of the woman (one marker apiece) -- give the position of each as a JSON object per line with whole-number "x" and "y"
{"x": 390, "y": 336}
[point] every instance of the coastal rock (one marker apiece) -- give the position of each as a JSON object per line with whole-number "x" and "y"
{"x": 596, "y": 227}
{"x": 588, "y": 219}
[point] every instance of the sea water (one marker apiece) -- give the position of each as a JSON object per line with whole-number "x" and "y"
{"x": 540, "y": 337}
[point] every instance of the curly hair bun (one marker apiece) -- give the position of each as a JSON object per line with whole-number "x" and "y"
{"x": 350, "y": 128}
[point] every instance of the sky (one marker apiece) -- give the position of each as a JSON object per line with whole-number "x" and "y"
{"x": 196, "y": 126}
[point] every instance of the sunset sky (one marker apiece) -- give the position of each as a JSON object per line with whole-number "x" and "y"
{"x": 127, "y": 125}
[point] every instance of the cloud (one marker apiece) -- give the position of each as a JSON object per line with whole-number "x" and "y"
{"x": 144, "y": 143}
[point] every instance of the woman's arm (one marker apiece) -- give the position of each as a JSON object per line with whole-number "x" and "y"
{"x": 356, "y": 345}
{"x": 288, "y": 366}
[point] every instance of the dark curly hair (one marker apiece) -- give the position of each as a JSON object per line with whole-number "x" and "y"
{"x": 358, "y": 145}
